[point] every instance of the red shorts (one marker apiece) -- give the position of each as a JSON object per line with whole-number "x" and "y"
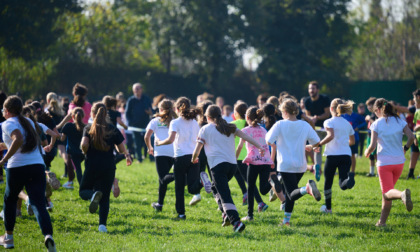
{"x": 389, "y": 175}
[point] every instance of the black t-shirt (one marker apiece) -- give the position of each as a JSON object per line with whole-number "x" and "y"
{"x": 317, "y": 107}
{"x": 73, "y": 139}
{"x": 103, "y": 159}
{"x": 50, "y": 123}
{"x": 113, "y": 115}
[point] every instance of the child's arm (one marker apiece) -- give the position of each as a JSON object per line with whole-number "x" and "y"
{"x": 54, "y": 135}
{"x": 373, "y": 143}
{"x": 84, "y": 144}
{"x": 169, "y": 140}
{"x": 352, "y": 141}
{"x": 147, "y": 141}
{"x": 64, "y": 121}
{"x": 410, "y": 137}
{"x": 120, "y": 122}
{"x": 273, "y": 153}
{"x": 196, "y": 152}
{"x": 250, "y": 140}
{"x": 121, "y": 149}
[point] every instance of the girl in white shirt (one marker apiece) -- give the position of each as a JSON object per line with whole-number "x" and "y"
{"x": 387, "y": 134}
{"x": 290, "y": 136}
{"x": 218, "y": 139}
{"x": 164, "y": 155}
{"x": 183, "y": 132}
{"x": 340, "y": 135}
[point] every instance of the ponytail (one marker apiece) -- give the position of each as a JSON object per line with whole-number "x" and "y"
{"x": 27, "y": 111}
{"x": 98, "y": 131}
{"x": 342, "y": 107}
{"x": 255, "y": 115}
{"x": 78, "y": 115}
{"x": 168, "y": 113}
{"x": 183, "y": 104}
{"x": 240, "y": 109}
{"x": 387, "y": 108}
{"x": 79, "y": 93}
{"x": 269, "y": 111}
{"x": 213, "y": 111}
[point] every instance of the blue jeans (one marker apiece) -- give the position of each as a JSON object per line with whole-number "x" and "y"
{"x": 32, "y": 177}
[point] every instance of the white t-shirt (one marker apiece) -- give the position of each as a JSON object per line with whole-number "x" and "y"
{"x": 186, "y": 136}
{"x": 43, "y": 127}
{"x": 161, "y": 131}
{"x": 19, "y": 159}
{"x": 290, "y": 138}
{"x": 390, "y": 134}
{"x": 339, "y": 145}
{"x": 219, "y": 148}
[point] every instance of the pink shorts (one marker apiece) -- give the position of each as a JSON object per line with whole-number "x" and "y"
{"x": 389, "y": 175}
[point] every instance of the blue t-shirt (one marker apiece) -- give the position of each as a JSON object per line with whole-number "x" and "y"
{"x": 356, "y": 121}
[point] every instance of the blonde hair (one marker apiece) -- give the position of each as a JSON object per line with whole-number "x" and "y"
{"x": 54, "y": 108}
{"x": 341, "y": 107}
{"x": 168, "y": 113}
{"x": 290, "y": 106}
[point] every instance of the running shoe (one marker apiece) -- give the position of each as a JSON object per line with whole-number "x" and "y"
{"x": 29, "y": 208}
{"x": 370, "y": 175}
{"x": 52, "y": 179}
{"x": 157, "y": 207}
{"x": 262, "y": 207}
{"x": 284, "y": 224}
{"x": 238, "y": 227}
{"x": 48, "y": 190}
{"x": 102, "y": 229}
{"x": 312, "y": 190}
{"x": 49, "y": 243}
{"x": 350, "y": 181}
{"x": 205, "y": 181}
{"x": 94, "y": 201}
{"x": 245, "y": 199}
{"x": 283, "y": 206}
{"x": 115, "y": 188}
{"x": 317, "y": 172}
{"x": 180, "y": 217}
{"x": 247, "y": 218}
{"x": 325, "y": 210}
{"x": 68, "y": 185}
{"x": 273, "y": 196}
{"x": 379, "y": 224}
{"x": 49, "y": 206}
{"x": 196, "y": 198}
{"x": 406, "y": 199}
{"x": 7, "y": 243}
{"x": 226, "y": 221}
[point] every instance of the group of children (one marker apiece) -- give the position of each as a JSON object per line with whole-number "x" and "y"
{"x": 190, "y": 138}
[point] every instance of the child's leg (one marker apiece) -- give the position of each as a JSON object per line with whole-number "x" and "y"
{"x": 180, "y": 166}
{"x": 252, "y": 179}
{"x": 329, "y": 172}
{"x": 345, "y": 179}
{"x": 104, "y": 185}
{"x": 264, "y": 172}
{"x": 293, "y": 193}
{"x": 163, "y": 166}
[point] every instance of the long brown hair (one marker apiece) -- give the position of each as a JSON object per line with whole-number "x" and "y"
{"x": 78, "y": 115}
{"x": 29, "y": 111}
{"x": 269, "y": 112}
{"x": 168, "y": 113}
{"x": 183, "y": 104}
{"x": 387, "y": 108}
{"x": 14, "y": 105}
{"x": 202, "y": 120}
{"x": 79, "y": 92}
{"x": 98, "y": 131}
{"x": 255, "y": 115}
{"x": 213, "y": 111}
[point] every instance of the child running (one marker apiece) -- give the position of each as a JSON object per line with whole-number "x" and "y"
{"x": 183, "y": 132}
{"x": 218, "y": 139}
{"x": 163, "y": 154}
{"x": 387, "y": 134}
{"x": 340, "y": 135}
{"x": 97, "y": 141}
{"x": 290, "y": 136}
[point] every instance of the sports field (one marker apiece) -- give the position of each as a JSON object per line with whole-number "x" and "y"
{"x": 133, "y": 225}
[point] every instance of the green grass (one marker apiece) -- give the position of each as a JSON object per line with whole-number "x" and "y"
{"x": 134, "y": 226}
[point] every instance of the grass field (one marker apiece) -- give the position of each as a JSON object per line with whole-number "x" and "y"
{"x": 133, "y": 225}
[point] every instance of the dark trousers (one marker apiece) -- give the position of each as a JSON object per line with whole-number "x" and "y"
{"x": 74, "y": 163}
{"x": 290, "y": 182}
{"x": 32, "y": 177}
{"x": 239, "y": 178}
{"x": 130, "y": 143}
{"x": 253, "y": 172}
{"x": 140, "y": 144}
{"x": 98, "y": 179}
{"x": 49, "y": 157}
{"x": 343, "y": 163}
{"x": 243, "y": 170}
{"x": 185, "y": 173}
{"x": 222, "y": 174}
{"x": 163, "y": 166}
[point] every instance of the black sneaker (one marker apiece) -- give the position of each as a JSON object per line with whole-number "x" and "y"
{"x": 226, "y": 221}
{"x": 180, "y": 217}
{"x": 238, "y": 227}
{"x": 410, "y": 176}
{"x": 350, "y": 181}
{"x": 94, "y": 202}
{"x": 157, "y": 207}
{"x": 370, "y": 175}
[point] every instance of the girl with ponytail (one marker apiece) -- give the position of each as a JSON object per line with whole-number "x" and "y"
{"x": 183, "y": 132}
{"x": 72, "y": 135}
{"x": 387, "y": 134}
{"x": 218, "y": 139}
{"x": 25, "y": 168}
{"x": 259, "y": 164}
{"x": 164, "y": 155}
{"x": 97, "y": 142}
{"x": 340, "y": 135}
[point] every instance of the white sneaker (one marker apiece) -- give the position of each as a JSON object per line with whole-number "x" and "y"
{"x": 68, "y": 185}
{"x": 273, "y": 196}
{"x": 325, "y": 210}
{"x": 50, "y": 206}
{"x": 49, "y": 243}
{"x": 2, "y": 214}
{"x": 102, "y": 229}
{"x": 195, "y": 199}
{"x": 205, "y": 181}
{"x": 283, "y": 206}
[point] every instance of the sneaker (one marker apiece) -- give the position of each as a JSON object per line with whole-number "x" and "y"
{"x": 317, "y": 169}
{"x": 68, "y": 185}
{"x": 406, "y": 199}
{"x": 94, "y": 202}
{"x": 115, "y": 188}
{"x": 313, "y": 190}
{"x": 29, "y": 208}
{"x": 48, "y": 190}
{"x": 273, "y": 196}
{"x": 379, "y": 224}
{"x": 157, "y": 207}
{"x": 325, "y": 210}
{"x": 262, "y": 207}
{"x": 350, "y": 181}
{"x": 205, "y": 181}
{"x": 50, "y": 206}
{"x": 245, "y": 199}
{"x": 370, "y": 175}
{"x": 180, "y": 217}
{"x": 18, "y": 213}
{"x": 282, "y": 224}
{"x": 196, "y": 198}
{"x": 226, "y": 221}
{"x": 283, "y": 206}
{"x": 410, "y": 176}
{"x": 102, "y": 229}
{"x": 238, "y": 227}
{"x": 52, "y": 179}
{"x": 7, "y": 243}
{"x": 2, "y": 214}
{"x": 49, "y": 243}
{"x": 247, "y": 218}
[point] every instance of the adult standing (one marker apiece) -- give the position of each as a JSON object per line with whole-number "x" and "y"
{"x": 137, "y": 113}
{"x": 318, "y": 110}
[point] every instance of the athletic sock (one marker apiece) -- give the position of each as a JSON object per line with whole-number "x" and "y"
{"x": 303, "y": 190}
{"x": 372, "y": 170}
{"x": 287, "y": 217}
{"x": 411, "y": 172}
{"x": 9, "y": 237}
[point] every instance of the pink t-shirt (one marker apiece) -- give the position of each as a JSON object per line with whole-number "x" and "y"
{"x": 86, "y": 108}
{"x": 253, "y": 156}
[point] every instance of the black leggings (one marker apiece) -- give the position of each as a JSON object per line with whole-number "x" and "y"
{"x": 343, "y": 163}
{"x": 239, "y": 178}
{"x": 185, "y": 170}
{"x": 243, "y": 170}
{"x": 74, "y": 162}
{"x": 290, "y": 182}
{"x": 253, "y": 171}
{"x": 163, "y": 166}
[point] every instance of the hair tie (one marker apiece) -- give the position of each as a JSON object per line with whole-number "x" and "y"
{"x": 38, "y": 110}
{"x": 385, "y": 103}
